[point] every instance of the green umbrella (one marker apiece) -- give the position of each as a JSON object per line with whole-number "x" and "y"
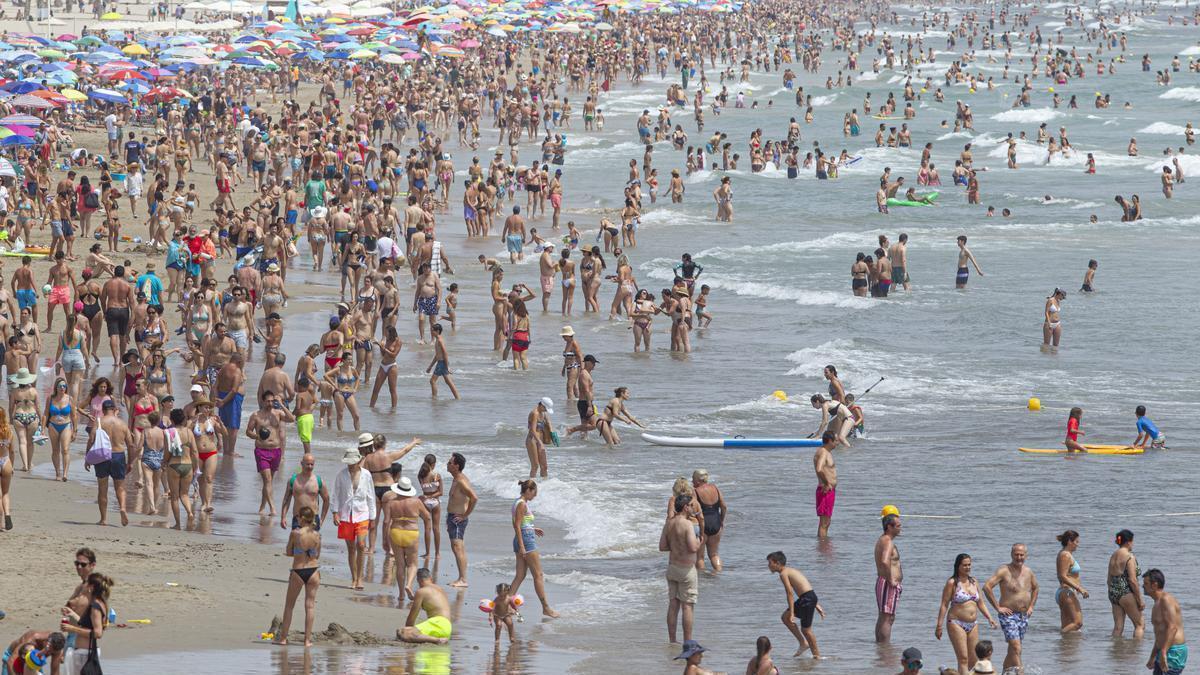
{"x": 51, "y": 54}
{"x": 89, "y": 41}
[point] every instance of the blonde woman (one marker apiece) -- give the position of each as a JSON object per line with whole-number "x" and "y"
{"x": 181, "y": 458}
{"x": 7, "y": 457}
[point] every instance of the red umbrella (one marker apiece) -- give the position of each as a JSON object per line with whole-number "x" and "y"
{"x": 124, "y": 75}
{"x": 52, "y": 96}
{"x": 162, "y": 94}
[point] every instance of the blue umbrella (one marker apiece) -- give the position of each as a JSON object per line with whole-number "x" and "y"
{"x": 107, "y": 95}
{"x": 109, "y": 49}
{"x": 101, "y": 57}
{"x": 22, "y": 87}
{"x": 135, "y": 86}
{"x": 16, "y": 140}
{"x": 312, "y": 55}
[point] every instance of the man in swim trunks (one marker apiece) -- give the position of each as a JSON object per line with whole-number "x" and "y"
{"x": 426, "y": 299}
{"x": 826, "y": 481}
{"x": 117, "y": 297}
{"x": 1169, "y": 656}
{"x": 265, "y": 426}
{"x": 888, "y": 577}
{"x": 548, "y": 267}
{"x": 436, "y": 628}
{"x": 231, "y": 388}
{"x": 459, "y": 505}
{"x": 1018, "y": 594}
{"x": 513, "y": 235}
{"x": 23, "y": 288}
{"x": 964, "y": 256}
{"x": 61, "y": 280}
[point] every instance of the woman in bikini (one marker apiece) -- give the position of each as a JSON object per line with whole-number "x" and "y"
{"x": 431, "y": 496}
{"x": 207, "y": 431}
{"x": 7, "y": 458}
{"x": 155, "y": 332}
{"x": 181, "y": 459}
{"x": 353, "y": 259}
{"x": 388, "y": 351}
{"x": 520, "y": 335}
{"x": 615, "y": 410}
{"x": 31, "y": 339}
{"x": 525, "y": 545}
{"x": 1067, "y": 569}
{"x": 539, "y": 428}
{"x": 331, "y": 342}
{"x": 587, "y": 274}
{"x": 304, "y": 548}
{"x": 626, "y": 288}
{"x": 1052, "y": 324}
{"x": 144, "y": 403}
{"x": 60, "y": 427}
{"x": 158, "y": 377}
{"x": 101, "y": 391}
{"x": 23, "y": 410}
{"x": 154, "y": 452}
{"x": 644, "y": 310}
{"x": 572, "y": 362}
{"x": 344, "y": 379}
{"x": 959, "y": 612}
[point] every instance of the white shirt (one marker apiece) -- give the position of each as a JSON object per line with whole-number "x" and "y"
{"x": 354, "y": 502}
{"x": 3, "y": 198}
{"x": 385, "y": 248}
{"x": 133, "y": 184}
{"x": 110, "y": 122}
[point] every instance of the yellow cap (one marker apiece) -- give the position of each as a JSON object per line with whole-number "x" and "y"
{"x": 780, "y": 395}
{"x": 889, "y": 510}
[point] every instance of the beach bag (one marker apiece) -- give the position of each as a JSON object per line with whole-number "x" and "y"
{"x": 91, "y": 200}
{"x": 174, "y": 445}
{"x": 92, "y": 665}
{"x": 98, "y": 455}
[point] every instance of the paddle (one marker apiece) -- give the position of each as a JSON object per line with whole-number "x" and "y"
{"x": 859, "y": 397}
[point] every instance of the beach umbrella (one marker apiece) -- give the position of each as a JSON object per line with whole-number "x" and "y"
{"x": 164, "y": 94}
{"x": 469, "y": 43}
{"x": 51, "y": 54}
{"x": 126, "y": 74}
{"x": 74, "y": 95}
{"x": 21, "y": 130}
{"x": 107, "y": 95}
{"x": 16, "y": 140}
{"x": 135, "y": 49}
{"x": 6, "y": 168}
{"x": 134, "y": 86}
{"x": 363, "y": 54}
{"x": 52, "y": 96}
{"x": 392, "y": 58}
{"x": 88, "y": 41}
{"x": 5, "y": 132}
{"x": 22, "y": 119}
{"x": 21, "y": 87}
{"x": 111, "y": 16}
{"x": 66, "y": 37}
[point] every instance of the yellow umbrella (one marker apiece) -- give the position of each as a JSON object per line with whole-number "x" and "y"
{"x": 74, "y": 94}
{"x": 111, "y": 16}
{"x": 135, "y": 49}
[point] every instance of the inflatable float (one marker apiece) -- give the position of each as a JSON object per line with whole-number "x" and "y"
{"x": 735, "y": 442}
{"x": 932, "y": 197}
{"x": 1089, "y": 450}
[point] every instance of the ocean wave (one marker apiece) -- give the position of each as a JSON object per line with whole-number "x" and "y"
{"x": 1028, "y": 115}
{"x": 604, "y": 599}
{"x": 1162, "y": 129}
{"x": 1182, "y": 94}
{"x": 624, "y": 147}
{"x": 868, "y": 76}
{"x": 770, "y": 291}
{"x": 828, "y": 99}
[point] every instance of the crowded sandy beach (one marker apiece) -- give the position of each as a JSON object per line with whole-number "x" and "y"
{"x": 488, "y": 337}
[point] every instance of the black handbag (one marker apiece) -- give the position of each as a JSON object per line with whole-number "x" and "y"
{"x": 92, "y": 665}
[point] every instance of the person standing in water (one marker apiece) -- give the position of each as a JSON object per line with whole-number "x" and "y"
{"x": 1018, "y": 595}
{"x": 1123, "y": 595}
{"x": 826, "y": 481}
{"x": 679, "y": 539}
{"x": 1170, "y": 647}
{"x": 965, "y": 256}
{"x": 1052, "y": 325}
{"x": 1067, "y": 568}
{"x": 1089, "y": 276}
{"x": 889, "y": 577}
{"x": 712, "y": 505}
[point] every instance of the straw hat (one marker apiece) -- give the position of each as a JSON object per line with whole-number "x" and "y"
{"x": 404, "y": 487}
{"x": 567, "y": 331}
{"x": 351, "y": 456}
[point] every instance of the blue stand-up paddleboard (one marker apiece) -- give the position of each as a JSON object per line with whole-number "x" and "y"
{"x": 735, "y": 442}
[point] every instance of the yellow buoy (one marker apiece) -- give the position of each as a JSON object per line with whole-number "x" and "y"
{"x": 1035, "y": 404}
{"x": 972, "y": 90}
{"x": 1050, "y": 89}
{"x": 889, "y": 510}
{"x": 780, "y": 395}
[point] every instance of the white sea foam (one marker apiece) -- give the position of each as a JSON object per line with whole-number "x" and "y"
{"x": 1162, "y": 129}
{"x": 819, "y": 101}
{"x": 1182, "y": 94}
{"x": 1028, "y": 115}
{"x": 603, "y": 599}
{"x": 619, "y": 149}
{"x": 868, "y": 76}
